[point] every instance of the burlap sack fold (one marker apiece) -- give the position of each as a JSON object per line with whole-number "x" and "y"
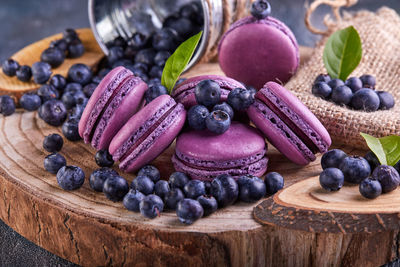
{"x": 380, "y": 35}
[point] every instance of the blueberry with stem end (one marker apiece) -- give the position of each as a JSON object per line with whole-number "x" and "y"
{"x": 103, "y": 158}
{"x": 54, "y": 162}
{"x": 99, "y": 176}
{"x": 151, "y": 206}
{"x": 10, "y": 67}
{"x": 218, "y": 121}
{"x": 189, "y": 210}
{"x": 207, "y": 93}
{"x": 225, "y": 107}
{"x": 70, "y": 177}
{"x": 53, "y": 112}
{"x": 260, "y": 9}
{"x": 387, "y": 176}
{"x": 209, "y": 204}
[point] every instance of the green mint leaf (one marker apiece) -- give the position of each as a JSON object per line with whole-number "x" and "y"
{"x": 387, "y": 149}
{"x": 177, "y": 62}
{"x": 342, "y": 53}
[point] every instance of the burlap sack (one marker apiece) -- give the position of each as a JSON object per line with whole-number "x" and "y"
{"x": 380, "y": 35}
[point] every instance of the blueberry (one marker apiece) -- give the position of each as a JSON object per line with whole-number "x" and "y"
{"x": 69, "y": 100}
{"x": 156, "y": 72}
{"x": 41, "y": 72}
{"x": 122, "y": 62}
{"x": 150, "y": 171}
{"x": 142, "y": 66}
{"x": 218, "y": 122}
{"x": 70, "y": 35}
{"x": 225, "y": 107}
{"x": 115, "y": 188}
{"x": 99, "y": 176}
{"x": 146, "y": 56}
{"x": 207, "y": 185}
{"x": 138, "y": 41}
{"x": 225, "y": 190}
{"x": 119, "y": 41}
{"x": 354, "y": 83}
{"x": 47, "y": 92}
{"x": 70, "y": 177}
{"x": 75, "y": 49}
{"x": 130, "y": 52}
{"x": 365, "y": 99}
{"x": 61, "y": 44}
{"x": 30, "y": 101}
{"x": 342, "y": 95}
{"x": 183, "y": 27}
{"x": 355, "y": 169}
{"x": 53, "y": 112}
{"x": 172, "y": 198}
{"x": 7, "y": 105}
{"x": 52, "y": 55}
{"x": 208, "y": 93}
{"x": 332, "y": 158}
{"x": 372, "y": 160}
{"x": 325, "y": 78}
{"x": 54, "y": 162}
{"x": 370, "y": 188}
{"x": 96, "y": 80}
{"x": 161, "y": 188}
{"x": 386, "y": 100}
{"x": 24, "y": 73}
{"x": 260, "y": 9}
{"x": 164, "y": 39}
{"x": 154, "y": 81}
{"x": 151, "y": 206}
{"x": 368, "y": 81}
{"x": 189, "y": 210}
{"x": 80, "y": 73}
{"x": 114, "y": 54}
{"x": 240, "y": 98}
{"x": 161, "y": 58}
{"x": 197, "y": 116}
{"x": 178, "y": 180}
{"x": 103, "y": 158}
{"x": 70, "y": 129}
{"x": 387, "y": 176}
{"x": 89, "y": 89}
{"x": 322, "y": 89}
{"x": 194, "y": 188}
{"x": 103, "y": 72}
{"x": 77, "y": 111}
{"x": 132, "y": 200}
{"x": 251, "y": 188}
{"x": 154, "y": 91}
{"x": 10, "y": 67}
{"x": 58, "y": 81}
{"x": 273, "y": 182}
{"x": 73, "y": 87}
{"x": 209, "y": 204}
{"x": 53, "y": 143}
{"x": 331, "y": 179}
{"x": 189, "y": 11}
{"x": 335, "y": 83}
{"x": 143, "y": 184}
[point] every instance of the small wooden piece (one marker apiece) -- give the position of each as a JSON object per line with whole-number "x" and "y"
{"x": 31, "y": 54}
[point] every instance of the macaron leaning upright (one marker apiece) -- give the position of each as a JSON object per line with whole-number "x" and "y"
{"x": 259, "y": 48}
{"x": 118, "y": 96}
{"x": 288, "y": 124}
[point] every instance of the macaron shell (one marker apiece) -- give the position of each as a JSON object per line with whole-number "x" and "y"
{"x": 124, "y": 105}
{"x": 257, "y": 51}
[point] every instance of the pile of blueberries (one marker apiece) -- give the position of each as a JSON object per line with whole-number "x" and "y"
{"x": 208, "y": 95}
{"x": 357, "y": 93}
{"x": 149, "y": 195}
{"x": 69, "y": 46}
{"x": 372, "y": 177}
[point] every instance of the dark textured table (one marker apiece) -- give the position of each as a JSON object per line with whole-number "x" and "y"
{"x": 24, "y": 22}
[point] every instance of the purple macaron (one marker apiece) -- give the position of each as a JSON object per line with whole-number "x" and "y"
{"x": 257, "y": 51}
{"x": 148, "y": 133}
{"x": 288, "y": 124}
{"x": 184, "y": 92}
{"x": 118, "y": 96}
{"x": 203, "y": 155}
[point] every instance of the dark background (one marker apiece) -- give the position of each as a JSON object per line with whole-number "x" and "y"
{"x": 27, "y": 21}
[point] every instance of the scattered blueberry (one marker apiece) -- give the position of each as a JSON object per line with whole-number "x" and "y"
{"x": 70, "y": 177}
{"x": 172, "y": 198}
{"x": 365, "y": 99}
{"x": 368, "y": 81}
{"x": 207, "y": 185}
{"x": 260, "y": 9}
{"x": 322, "y": 89}
{"x": 114, "y": 54}
{"x": 130, "y": 52}
{"x": 335, "y": 83}
{"x": 53, "y": 112}
{"x": 355, "y": 169}
{"x": 70, "y": 34}
{"x": 240, "y": 99}
{"x": 119, "y": 41}
{"x": 342, "y": 95}
{"x": 41, "y": 72}
{"x": 103, "y": 158}
{"x": 207, "y": 93}
{"x": 75, "y": 49}
{"x": 387, "y": 176}
{"x": 197, "y": 116}
{"x": 161, "y": 58}
{"x": 115, "y": 188}
{"x": 155, "y": 91}
{"x": 189, "y": 210}
{"x": 251, "y": 188}
{"x": 132, "y": 200}
{"x": 54, "y": 162}
{"x": 24, "y": 73}
{"x": 386, "y": 100}
{"x": 143, "y": 184}
{"x": 89, "y": 89}
{"x": 354, "y": 83}
{"x": 60, "y": 44}
{"x": 73, "y": 87}
{"x": 225, "y": 190}
{"x": 332, "y": 158}
{"x": 54, "y": 56}
{"x": 30, "y": 101}
{"x": 53, "y": 143}
{"x": 58, "y": 81}
{"x": 225, "y": 107}
{"x": 218, "y": 121}
{"x": 146, "y": 56}
{"x": 178, "y": 180}
{"x": 165, "y": 39}
{"x": 10, "y": 67}
{"x": 7, "y": 105}
{"x": 99, "y": 176}
{"x": 273, "y": 182}
{"x": 370, "y": 188}
{"x": 156, "y": 72}
{"x": 47, "y": 92}
{"x": 80, "y": 73}
{"x": 68, "y": 98}
{"x": 331, "y": 179}
{"x": 70, "y": 129}
{"x": 372, "y": 160}
{"x": 209, "y": 204}
{"x": 325, "y": 78}
{"x": 161, "y": 188}
{"x": 142, "y": 66}
{"x": 138, "y": 41}
{"x": 150, "y": 171}
{"x": 151, "y": 206}
{"x": 194, "y": 188}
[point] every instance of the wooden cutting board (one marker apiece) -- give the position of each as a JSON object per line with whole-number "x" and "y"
{"x": 86, "y": 228}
